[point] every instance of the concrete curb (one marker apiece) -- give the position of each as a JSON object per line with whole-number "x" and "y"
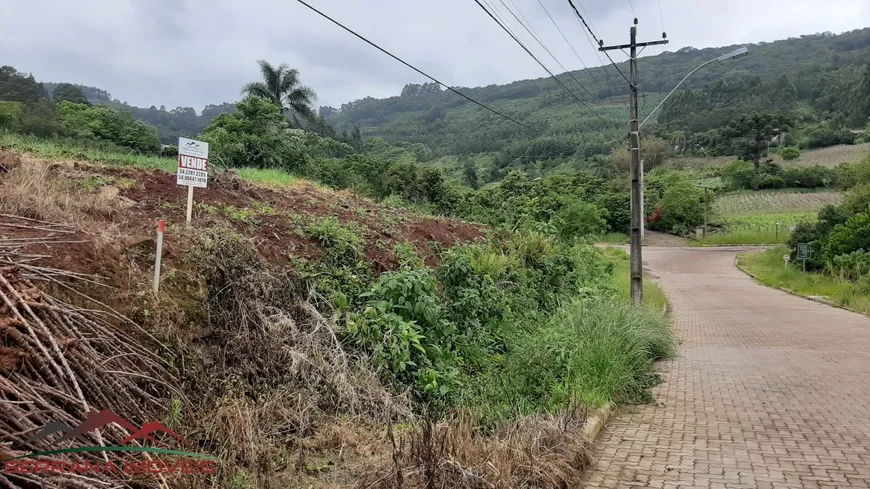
{"x": 596, "y": 421}
{"x": 814, "y": 298}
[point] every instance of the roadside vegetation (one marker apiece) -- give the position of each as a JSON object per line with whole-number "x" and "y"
{"x": 839, "y": 237}
{"x": 769, "y": 268}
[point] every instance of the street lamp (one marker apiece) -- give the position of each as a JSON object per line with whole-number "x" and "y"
{"x": 737, "y": 53}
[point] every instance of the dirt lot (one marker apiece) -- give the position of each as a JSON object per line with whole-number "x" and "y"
{"x": 127, "y": 203}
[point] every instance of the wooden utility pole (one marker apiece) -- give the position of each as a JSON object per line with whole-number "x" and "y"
{"x": 636, "y": 167}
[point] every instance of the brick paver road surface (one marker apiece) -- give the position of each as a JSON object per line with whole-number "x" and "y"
{"x": 768, "y": 390}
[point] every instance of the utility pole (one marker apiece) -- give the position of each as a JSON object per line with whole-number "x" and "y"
{"x": 636, "y": 166}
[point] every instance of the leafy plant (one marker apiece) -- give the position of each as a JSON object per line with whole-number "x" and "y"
{"x": 789, "y": 153}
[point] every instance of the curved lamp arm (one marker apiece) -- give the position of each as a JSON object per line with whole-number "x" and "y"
{"x": 734, "y": 54}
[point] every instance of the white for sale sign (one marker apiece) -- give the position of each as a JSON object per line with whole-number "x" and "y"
{"x": 192, "y": 163}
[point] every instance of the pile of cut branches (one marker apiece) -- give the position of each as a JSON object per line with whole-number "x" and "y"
{"x": 60, "y": 364}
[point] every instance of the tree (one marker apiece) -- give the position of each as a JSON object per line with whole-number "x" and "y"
{"x": 861, "y": 99}
{"x": 256, "y": 134}
{"x": 356, "y": 140}
{"x": 18, "y": 87}
{"x": 469, "y": 172}
{"x": 281, "y": 86}
{"x": 70, "y": 93}
{"x": 751, "y": 134}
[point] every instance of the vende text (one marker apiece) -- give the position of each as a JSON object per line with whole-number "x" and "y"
{"x": 192, "y": 162}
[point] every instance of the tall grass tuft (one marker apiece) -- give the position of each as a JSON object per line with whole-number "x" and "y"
{"x": 604, "y": 350}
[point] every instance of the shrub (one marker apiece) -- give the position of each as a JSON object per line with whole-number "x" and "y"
{"x": 739, "y": 175}
{"x": 789, "y": 153}
{"x": 854, "y": 174}
{"x": 680, "y": 209}
{"x": 255, "y": 135}
{"x": 771, "y": 182}
{"x": 596, "y": 351}
{"x": 335, "y": 237}
{"x": 851, "y": 236}
{"x": 810, "y": 177}
{"x": 99, "y": 122}
{"x": 852, "y": 266}
{"x": 10, "y": 115}
{"x": 579, "y": 219}
{"x": 617, "y": 207}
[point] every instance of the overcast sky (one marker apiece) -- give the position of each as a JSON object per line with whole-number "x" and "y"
{"x": 192, "y": 53}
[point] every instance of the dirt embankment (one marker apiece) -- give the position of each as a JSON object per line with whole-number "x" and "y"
{"x": 124, "y": 204}
{"x": 256, "y": 373}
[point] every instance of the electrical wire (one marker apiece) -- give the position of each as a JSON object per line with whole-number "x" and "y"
{"x": 591, "y": 73}
{"x": 632, "y": 8}
{"x": 531, "y": 31}
{"x": 597, "y": 40}
{"x": 413, "y": 67}
{"x": 553, "y": 76}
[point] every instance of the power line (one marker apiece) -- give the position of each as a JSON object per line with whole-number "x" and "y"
{"x": 662, "y": 18}
{"x": 591, "y": 73}
{"x": 581, "y": 102}
{"x": 632, "y": 9}
{"x": 534, "y": 35}
{"x": 597, "y": 40}
{"x": 457, "y": 92}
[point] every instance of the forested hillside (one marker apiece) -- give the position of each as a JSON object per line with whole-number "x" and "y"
{"x": 815, "y": 73}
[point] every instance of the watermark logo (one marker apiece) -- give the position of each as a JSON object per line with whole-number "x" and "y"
{"x": 187, "y": 463}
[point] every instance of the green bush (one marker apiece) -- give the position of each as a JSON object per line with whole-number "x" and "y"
{"x": 255, "y": 135}
{"x": 100, "y": 122}
{"x": 771, "y": 182}
{"x": 739, "y": 175}
{"x": 854, "y": 174}
{"x": 849, "y": 237}
{"x": 852, "y": 266}
{"x": 680, "y": 209}
{"x": 789, "y": 153}
{"x": 405, "y": 329}
{"x": 579, "y": 219}
{"x": 596, "y": 351}
{"x": 10, "y": 115}
{"x": 810, "y": 177}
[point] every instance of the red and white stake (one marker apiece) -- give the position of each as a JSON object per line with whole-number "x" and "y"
{"x": 159, "y": 256}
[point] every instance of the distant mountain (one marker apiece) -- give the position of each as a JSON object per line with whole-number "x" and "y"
{"x": 170, "y": 124}
{"x": 815, "y": 67}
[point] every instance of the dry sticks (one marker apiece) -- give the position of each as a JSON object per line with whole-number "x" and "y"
{"x": 58, "y": 362}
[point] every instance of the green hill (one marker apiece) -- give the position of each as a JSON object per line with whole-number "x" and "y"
{"x": 813, "y": 72}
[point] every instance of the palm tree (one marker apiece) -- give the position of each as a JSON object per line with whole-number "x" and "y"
{"x": 281, "y": 86}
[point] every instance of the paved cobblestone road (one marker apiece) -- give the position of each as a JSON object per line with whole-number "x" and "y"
{"x": 768, "y": 390}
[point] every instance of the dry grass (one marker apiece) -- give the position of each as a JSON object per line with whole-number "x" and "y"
{"x": 774, "y": 202}
{"x": 829, "y": 157}
{"x": 274, "y": 372}
{"x": 39, "y": 190}
{"x": 543, "y": 451}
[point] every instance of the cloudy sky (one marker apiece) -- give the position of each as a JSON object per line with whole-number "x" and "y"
{"x": 195, "y": 52}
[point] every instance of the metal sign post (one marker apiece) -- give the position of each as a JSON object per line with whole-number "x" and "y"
{"x": 804, "y": 253}
{"x": 192, "y": 168}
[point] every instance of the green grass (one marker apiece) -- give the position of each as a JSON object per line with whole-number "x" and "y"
{"x": 76, "y": 150}
{"x": 268, "y": 176}
{"x": 607, "y": 348}
{"x": 757, "y": 229}
{"x": 68, "y": 149}
{"x": 612, "y": 238}
{"x": 769, "y": 268}
{"x": 654, "y": 297}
